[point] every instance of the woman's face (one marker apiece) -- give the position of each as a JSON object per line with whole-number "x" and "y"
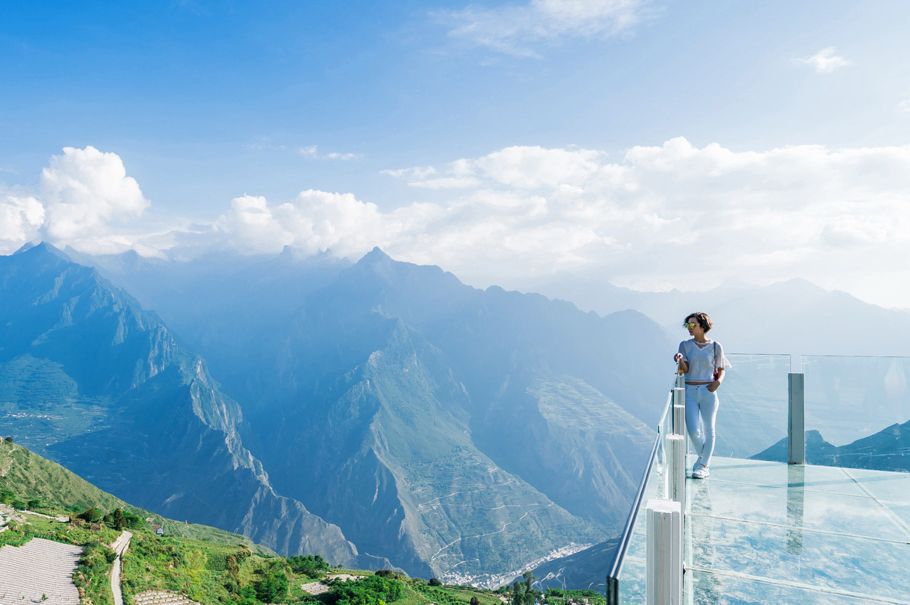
{"x": 694, "y": 327}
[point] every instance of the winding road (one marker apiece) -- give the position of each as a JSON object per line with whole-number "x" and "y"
{"x": 119, "y": 546}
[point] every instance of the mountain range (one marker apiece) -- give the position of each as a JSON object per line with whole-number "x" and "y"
{"x": 378, "y": 412}
{"x": 886, "y": 450}
{"x": 90, "y": 379}
{"x": 793, "y": 316}
{"x": 408, "y": 418}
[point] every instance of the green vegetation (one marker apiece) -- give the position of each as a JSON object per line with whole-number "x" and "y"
{"x": 371, "y": 590}
{"x": 32, "y": 479}
{"x": 555, "y": 596}
{"x": 208, "y": 565}
{"x": 309, "y": 565}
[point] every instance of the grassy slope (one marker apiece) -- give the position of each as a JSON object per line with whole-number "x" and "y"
{"x": 207, "y": 564}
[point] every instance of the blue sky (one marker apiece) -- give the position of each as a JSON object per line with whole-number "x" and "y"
{"x": 205, "y": 102}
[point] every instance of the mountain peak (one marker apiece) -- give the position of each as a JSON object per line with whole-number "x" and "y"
{"x": 40, "y": 248}
{"x": 376, "y": 255}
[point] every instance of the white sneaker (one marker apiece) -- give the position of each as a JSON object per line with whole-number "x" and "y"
{"x": 701, "y": 472}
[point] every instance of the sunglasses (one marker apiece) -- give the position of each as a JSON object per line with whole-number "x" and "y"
{"x": 690, "y": 324}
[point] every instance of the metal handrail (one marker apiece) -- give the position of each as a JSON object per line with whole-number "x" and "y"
{"x": 625, "y": 537}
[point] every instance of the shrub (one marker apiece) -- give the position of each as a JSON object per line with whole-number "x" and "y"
{"x": 92, "y": 515}
{"x": 310, "y": 565}
{"x": 372, "y": 590}
{"x": 390, "y": 573}
{"x": 435, "y": 582}
{"x": 273, "y": 585}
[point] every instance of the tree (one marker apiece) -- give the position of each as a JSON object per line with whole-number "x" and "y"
{"x": 92, "y": 515}
{"x": 116, "y": 519}
{"x": 372, "y": 590}
{"x": 516, "y": 594}
{"x": 273, "y": 585}
{"x": 475, "y": 601}
{"x": 310, "y": 565}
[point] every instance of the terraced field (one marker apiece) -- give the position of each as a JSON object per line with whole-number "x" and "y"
{"x": 39, "y": 571}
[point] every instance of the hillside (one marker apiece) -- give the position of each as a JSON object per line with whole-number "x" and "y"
{"x": 208, "y": 565}
{"x": 92, "y": 380}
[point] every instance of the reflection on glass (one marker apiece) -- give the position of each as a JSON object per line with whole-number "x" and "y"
{"x": 796, "y": 506}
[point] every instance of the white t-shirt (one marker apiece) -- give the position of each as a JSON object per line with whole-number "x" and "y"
{"x": 703, "y": 360}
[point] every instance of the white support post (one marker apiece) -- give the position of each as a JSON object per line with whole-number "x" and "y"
{"x": 665, "y": 561}
{"x": 796, "y": 418}
{"x": 679, "y": 411}
{"x": 676, "y": 469}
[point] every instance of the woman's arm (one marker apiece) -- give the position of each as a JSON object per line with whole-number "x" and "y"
{"x": 719, "y": 373}
{"x": 680, "y": 359}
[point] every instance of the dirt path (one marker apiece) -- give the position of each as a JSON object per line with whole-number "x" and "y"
{"x": 119, "y": 546}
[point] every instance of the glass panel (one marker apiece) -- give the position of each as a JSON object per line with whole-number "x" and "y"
{"x": 849, "y": 399}
{"x": 753, "y": 405}
{"x": 632, "y": 568}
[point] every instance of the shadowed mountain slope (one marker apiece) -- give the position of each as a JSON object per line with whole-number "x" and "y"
{"x": 456, "y": 431}
{"x": 101, "y": 386}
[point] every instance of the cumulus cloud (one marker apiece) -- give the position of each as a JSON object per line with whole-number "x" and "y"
{"x": 314, "y": 221}
{"x": 673, "y": 214}
{"x": 516, "y": 29}
{"x": 83, "y": 195}
{"x": 84, "y": 190}
{"x": 825, "y": 61}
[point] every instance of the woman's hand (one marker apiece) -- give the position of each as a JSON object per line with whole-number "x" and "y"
{"x": 682, "y": 366}
{"x": 713, "y": 386}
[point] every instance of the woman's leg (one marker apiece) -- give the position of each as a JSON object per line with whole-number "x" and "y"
{"x": 707, "y": 406}
{"x": 692, "y": 418}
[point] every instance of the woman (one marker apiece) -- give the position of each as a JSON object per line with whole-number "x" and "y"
{"x": 703, "y": 363}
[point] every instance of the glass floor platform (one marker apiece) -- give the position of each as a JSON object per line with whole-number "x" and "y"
{"x": 768, "y": 532}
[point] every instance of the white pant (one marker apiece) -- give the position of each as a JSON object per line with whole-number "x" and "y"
{"x": 701, "y": 420}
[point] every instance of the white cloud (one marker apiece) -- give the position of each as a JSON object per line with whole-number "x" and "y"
{"x": 20, "y": 219}
{"x": 313, "y": 221}
{"x": 904, "y": 105}
{"x": 515, "y": 29}
{"x": 674, "y": 214}
{"x": 83, "y": 195}
{"x": 312, "y": 151}
{"x": 825, "y": 61}
{"x": 84, "y": 190}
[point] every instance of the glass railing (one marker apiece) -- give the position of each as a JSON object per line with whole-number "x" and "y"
{"x": 852, "y": 406}
{"x": 626, "y": 578}
{"x": 857, "y": 414}
{"x": 753, "y": 405}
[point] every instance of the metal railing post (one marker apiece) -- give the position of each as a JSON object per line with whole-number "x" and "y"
{"x": 679, "y": 411}
{"x": 676, "y": 467}
{"x": 796, "y": 418}
{"x": 664, "y": 552}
